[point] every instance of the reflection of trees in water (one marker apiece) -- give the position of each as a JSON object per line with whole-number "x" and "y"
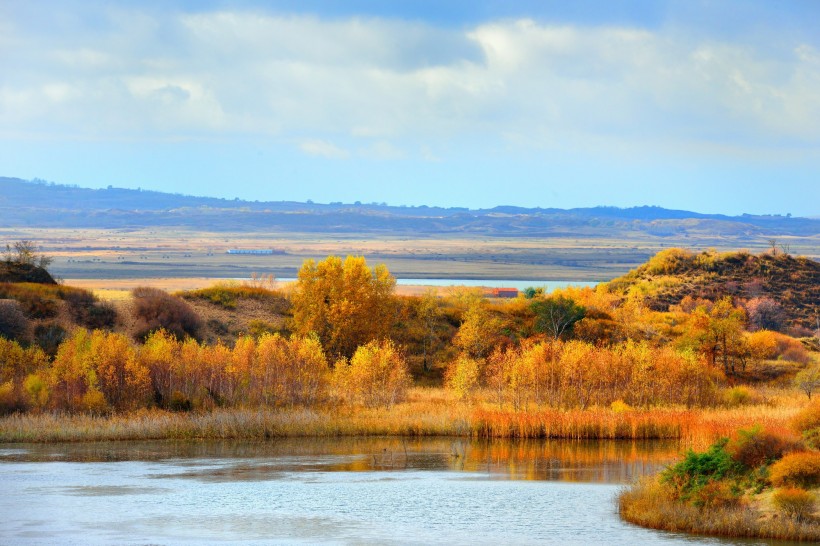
{"x": 614, "y": 461}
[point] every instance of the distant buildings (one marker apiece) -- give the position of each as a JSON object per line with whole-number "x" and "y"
{"x": 503, "y": 293}
{"x": 254, "y": 252}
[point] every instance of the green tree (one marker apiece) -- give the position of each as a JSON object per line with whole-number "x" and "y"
{"x": 346, "y": 303}
{"x": 556, "y": 316}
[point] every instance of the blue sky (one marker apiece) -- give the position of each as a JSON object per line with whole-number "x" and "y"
{"x": 711, "y": 106}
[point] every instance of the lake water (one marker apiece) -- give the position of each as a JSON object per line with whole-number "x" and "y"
{"x": 336, "y": 491}
{"x": 548, "y": 286}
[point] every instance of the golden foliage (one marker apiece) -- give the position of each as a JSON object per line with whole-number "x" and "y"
{"x": 463, "y": 375}
{"x": 377, "y": 375}
{"x": 578, "y": 374}
{"x": 345, "y": 303}
{"x": 801, "y": 469}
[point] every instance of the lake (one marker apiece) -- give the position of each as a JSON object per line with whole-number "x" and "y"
{"x": 327, "y": 491}
{"x": 548, "y": 286}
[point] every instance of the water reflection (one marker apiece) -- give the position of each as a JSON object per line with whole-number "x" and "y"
{"x": 339, "y": 491}
{"x": 570, "y": 461}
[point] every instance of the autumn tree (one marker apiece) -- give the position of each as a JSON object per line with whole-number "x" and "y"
{"x": 556, "y": 315}
{"x": 463, "y": 375}
{"x": 717, "y": 333}
{"x": 121, "y": 378}
{"x": 345, "y": 303}
{"x": 289, "y": 371}
{"x": 377, "y": 375}
{"x": 479, "y": 330}
{"x": 428, "y": 314}
{"x": 17, "y": 366}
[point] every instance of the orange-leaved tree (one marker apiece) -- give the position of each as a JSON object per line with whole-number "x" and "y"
{"x": 345, "y": 303}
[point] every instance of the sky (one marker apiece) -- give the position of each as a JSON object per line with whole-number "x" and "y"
{"x": 704, "y": 105}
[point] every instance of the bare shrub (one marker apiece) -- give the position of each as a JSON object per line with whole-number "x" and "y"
{"x": 48, "y": 337}
{"x": 86, "y": 310}
{"x": 13, "y": 323}
{"x": 155, "y": 309}
{"x": 765, "y": 314}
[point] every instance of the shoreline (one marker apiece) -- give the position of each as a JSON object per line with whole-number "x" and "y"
{"x": 645, "y": 504}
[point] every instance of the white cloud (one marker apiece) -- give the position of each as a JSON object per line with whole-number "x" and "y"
{"x": 367, "y": 82}
{"x": 323, "y": 148}
{"x": 382, "y": 150}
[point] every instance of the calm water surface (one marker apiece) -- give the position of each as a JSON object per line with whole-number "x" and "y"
{"x": 339, "y": 491}
{"x": 548, "y": 286}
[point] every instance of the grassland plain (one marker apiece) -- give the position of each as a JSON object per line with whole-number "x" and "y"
{"x": 183, "y": 253}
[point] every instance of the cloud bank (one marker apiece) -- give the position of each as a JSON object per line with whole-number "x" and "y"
{"x": 387, "y": 88}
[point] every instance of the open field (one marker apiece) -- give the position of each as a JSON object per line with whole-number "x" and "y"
{"x": 113, "y": 254}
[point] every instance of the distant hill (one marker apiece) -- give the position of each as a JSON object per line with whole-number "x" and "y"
{"x": 20, "y": 272}
{"x": 25, "y": 203}
{"x": 673, "y": 274}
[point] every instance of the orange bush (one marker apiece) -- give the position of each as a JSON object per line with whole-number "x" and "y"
{"x": 794, "y": 503}
{"x": 755, "y": 447}
{"x": 808, "y": 418}
{"x": 800, "y": 469}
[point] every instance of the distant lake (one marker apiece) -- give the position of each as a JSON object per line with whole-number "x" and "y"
{"x": 548, "y": 286}
{"x": 327, "y": 491}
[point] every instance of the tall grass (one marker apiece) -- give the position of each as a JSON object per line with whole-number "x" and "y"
{"x": 425, "y": 412}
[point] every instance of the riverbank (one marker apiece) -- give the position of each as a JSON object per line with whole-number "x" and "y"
{"x": 649, "y": 504}
{"x": 426, "y": 412}
{"x": 754, "y": 483}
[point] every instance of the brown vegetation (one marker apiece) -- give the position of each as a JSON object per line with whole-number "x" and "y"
{"x": 778, "y": 288}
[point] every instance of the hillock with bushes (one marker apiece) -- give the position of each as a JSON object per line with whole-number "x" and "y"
{"x": 228, "y": 311}
{"x": 756, "y": 483}
{"x": 784, "y": 290}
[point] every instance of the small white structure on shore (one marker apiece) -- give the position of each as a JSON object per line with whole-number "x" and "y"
{"x": 264, "y": 252}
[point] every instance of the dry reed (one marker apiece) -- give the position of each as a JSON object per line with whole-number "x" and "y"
{"x": 426, "y": 412}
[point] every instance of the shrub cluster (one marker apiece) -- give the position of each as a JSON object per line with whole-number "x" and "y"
{"x": 98, "y": 371}
{"x": 800, "y": 469}
{"x": 155, "y": 309}
{"x": 578, "y": 374}
{"x": 228, "y": 294}
{"x": 13, "y": 323}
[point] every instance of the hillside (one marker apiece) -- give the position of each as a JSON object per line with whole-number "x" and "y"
{"x": 673, "y": 274}
{"x": 14, "y": 272}
{"x": 48, "y": 205}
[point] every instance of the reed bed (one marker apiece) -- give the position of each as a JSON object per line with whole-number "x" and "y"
{"x": 696, "y": 428}
{"x": 426, "y": 412}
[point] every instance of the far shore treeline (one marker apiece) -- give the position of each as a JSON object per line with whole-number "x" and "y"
{"x": 679, "y": 331}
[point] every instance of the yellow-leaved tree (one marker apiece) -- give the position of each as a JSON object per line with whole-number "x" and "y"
{"x": 377, "y": 375}
{"x": 346, "y": 303}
